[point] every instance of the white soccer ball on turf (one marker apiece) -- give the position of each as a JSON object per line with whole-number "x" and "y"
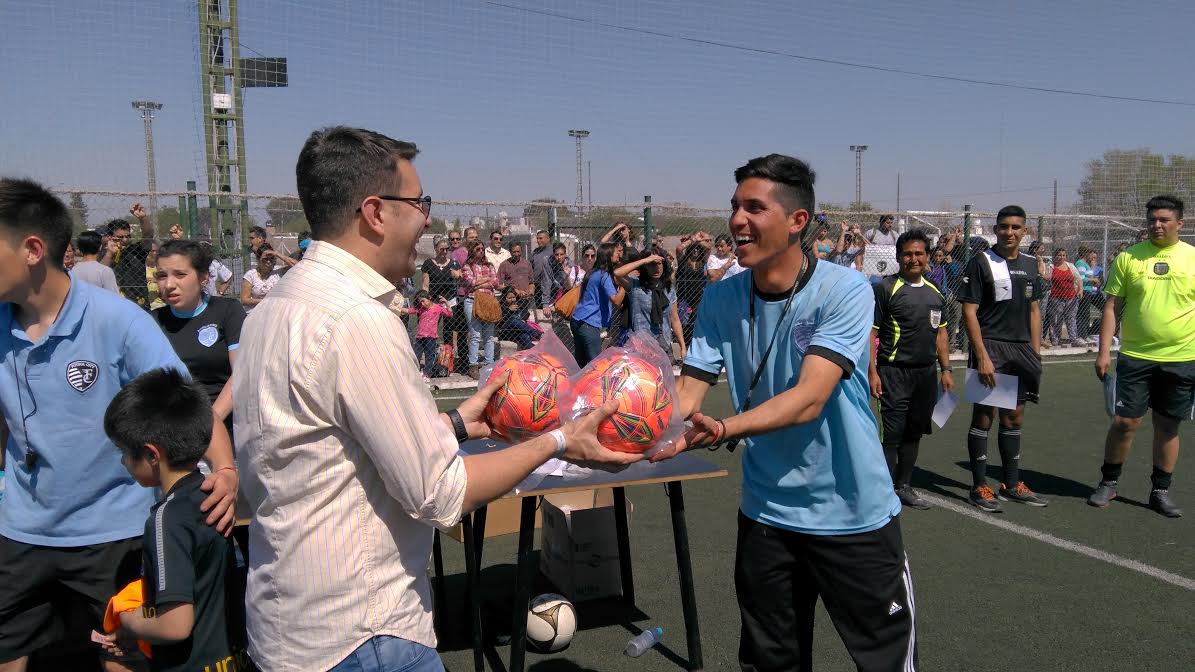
{"x": 551, "y": 623}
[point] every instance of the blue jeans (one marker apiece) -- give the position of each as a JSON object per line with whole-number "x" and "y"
{"x": 428, "y": 350}
{"x": 478, "y": 331}
{"x": 391, "y": 654}
{"x": 514, "y": 329}
{"x": 587, "y": 341}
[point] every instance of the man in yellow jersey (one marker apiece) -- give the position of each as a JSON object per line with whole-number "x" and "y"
{"x": 1154, "y": 283}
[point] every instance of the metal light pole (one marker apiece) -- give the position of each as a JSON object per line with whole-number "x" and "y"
{"x": 858, "y": 150}
{"x": 147, "y": 109}
{"x": 579, "y": 134}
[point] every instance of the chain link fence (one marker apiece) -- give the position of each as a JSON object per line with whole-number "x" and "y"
{"x": 691, "y": 238}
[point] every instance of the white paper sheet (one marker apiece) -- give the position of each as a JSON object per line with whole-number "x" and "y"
{"x": 1003, "y": 395}
{"x": 944, "y": 408}
{"x": 1110, "y": 393}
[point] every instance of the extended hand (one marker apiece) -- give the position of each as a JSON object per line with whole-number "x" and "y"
{"x": 473, "y": 410}
{"x": 706, "y": 431}
{"x": 137, "y": 211}
{"x": 583, "y": 448}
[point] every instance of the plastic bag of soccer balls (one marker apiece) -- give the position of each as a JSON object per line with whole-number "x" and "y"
{"x": 526, "y": 405}
{"x": 639, "y": 376}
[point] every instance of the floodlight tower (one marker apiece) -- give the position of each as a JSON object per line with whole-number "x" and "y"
{"x": 858, "y": 150}
{"x": 147, "y": 108}
{"x": 579, "y": 134}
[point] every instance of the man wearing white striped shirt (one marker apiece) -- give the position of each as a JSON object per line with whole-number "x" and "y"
{"x": 346, "y": 463}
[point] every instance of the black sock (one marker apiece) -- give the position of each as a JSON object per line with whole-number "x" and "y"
{"x": 977, "y": 450}
{"x": 1160, "y": 479}
{"x": 890, "y": 455}
{"x": 1111, "y": 472}
{"x": 907, "y": 459}
{"x": 1009, "y": 441}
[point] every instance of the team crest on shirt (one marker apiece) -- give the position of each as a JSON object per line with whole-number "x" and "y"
{"x": 935, "y": 318}
{"x": 1029, "y": 290}
{"x": 1161, "y": 268}
{"x": 802, "y": 334}
{"x": 82, "y": 374}
{"x": 208, "y": 334}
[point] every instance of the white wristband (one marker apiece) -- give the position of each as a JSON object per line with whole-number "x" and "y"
{"x": 559, "y": 436}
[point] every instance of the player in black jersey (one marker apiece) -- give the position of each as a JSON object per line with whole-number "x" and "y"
{"x": 1000, "y": 293}
{"x": 912, "y": 336}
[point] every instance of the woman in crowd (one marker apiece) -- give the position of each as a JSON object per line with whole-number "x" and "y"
{"x": 514, "y": 325}
{"x": 823, "y": 244}
{"x": 204, "y": 330}
{"x": 1065, "y": 289}
{"x": 690, "y": 284}
{"x": 260, "y": 280}
{"x": 653, "y": 300}
{"x": 599, "y": 296}
{"x": 151, "y": 281}
{"x": 722, "y": 263}
{"x": 588, "y": 258}
{"x": 478, "y": 275}
{"x": 427, "y": 329}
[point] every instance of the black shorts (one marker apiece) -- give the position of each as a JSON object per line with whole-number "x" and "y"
{"x": 1166, "y": 387}
{"x": 1014, "y": 359}
{"x": 907, "y": 403}
{"x": 863, "y": 579}
{"x": 50, "y": 594}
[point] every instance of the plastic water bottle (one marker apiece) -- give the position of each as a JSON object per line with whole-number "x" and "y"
{"x": 643, "y": 642}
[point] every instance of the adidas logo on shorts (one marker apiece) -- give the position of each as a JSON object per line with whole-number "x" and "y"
{"x": 894, "y": 608}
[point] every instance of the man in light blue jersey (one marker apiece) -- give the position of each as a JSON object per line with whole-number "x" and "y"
{"x": 72, "y": 518}
{"x": 818, "y": 516}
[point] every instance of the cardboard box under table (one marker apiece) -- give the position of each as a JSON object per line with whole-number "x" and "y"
{"x": 579, "y": 544}
{"x": 672, "y": 473}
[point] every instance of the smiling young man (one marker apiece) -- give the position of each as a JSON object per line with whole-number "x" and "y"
{"x": 908, "y": 339}
{"x": 818, "y": 517}
{"x": 1153, "y": 284}
{"x": 999, "y": 294}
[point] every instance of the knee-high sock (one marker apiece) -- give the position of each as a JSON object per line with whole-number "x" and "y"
{"x": 1009, "y": 441}
{"x": 906, "y": 459}
{"x": 977, "y": 450}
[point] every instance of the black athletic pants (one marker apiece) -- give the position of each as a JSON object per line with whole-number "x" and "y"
{"x": 863, "y": 579}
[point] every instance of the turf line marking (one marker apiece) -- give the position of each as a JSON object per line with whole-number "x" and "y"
{"x": 1067, "y": 545}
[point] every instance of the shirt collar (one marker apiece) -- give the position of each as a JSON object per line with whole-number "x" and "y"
{"x": 356, "y": 271}
{"x": 72, "y": 311}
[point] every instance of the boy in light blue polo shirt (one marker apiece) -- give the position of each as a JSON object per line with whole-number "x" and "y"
{"x": 818, "y": 516}
{"x": 71, "y": 515}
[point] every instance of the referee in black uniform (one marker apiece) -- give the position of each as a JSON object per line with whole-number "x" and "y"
{"x": 911, "y": 337}
{"x": 1000, "y": 293}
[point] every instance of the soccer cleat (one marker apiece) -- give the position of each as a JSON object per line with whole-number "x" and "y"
{"x": 983, "y": 498}
{"x": 1021, "y": 494}
{"x": 1159, "y": 500}
{"x": 909, "y": 497}
{"x": 1104, "y": 493}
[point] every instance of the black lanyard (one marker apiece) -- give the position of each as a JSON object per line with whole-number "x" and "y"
{"x": 802, "y": 277}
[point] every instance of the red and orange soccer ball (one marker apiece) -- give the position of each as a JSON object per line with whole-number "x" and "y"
{"x": 526, "y": 404}
{"x": 644, "y": 404}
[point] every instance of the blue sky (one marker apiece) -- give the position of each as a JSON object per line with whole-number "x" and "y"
{"x": 489, "y": 92}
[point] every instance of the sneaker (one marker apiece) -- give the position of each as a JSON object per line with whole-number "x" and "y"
{"x": 1159, "y": 500}
{"x": 909, "y": 497}
{"x": 1104, "y": 493}
{"x": 1021, "y": 494}
{"x": 983, "y": 498}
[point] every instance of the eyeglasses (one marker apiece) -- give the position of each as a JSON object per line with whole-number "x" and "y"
{"x": 496, "y": 239}
{"x": 454, "y": 238}
{"x": 590, "y": 255}
{"x": 424, "y": 203}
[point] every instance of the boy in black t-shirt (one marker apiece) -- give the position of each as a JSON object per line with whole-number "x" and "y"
{"x": 193, "y": 614}
{"x": 1000, "y": 293}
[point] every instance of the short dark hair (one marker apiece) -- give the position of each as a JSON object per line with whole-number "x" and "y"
{"x": 793, "y": 178}
{"x": 338, "y": 167}
{"x": 257, "y": 231}
{"x": 166, "y": 409}
{"x": 887, "y": 218}
{"x": 1010, "y": 211}
{"x": 514, "y": 244}
{"x": 200, "y": 258}
{"x": 89, "y": 242}
{"x": 1165, "y": 202}
{"x": 724, "y": 238}
{"x": 913, "y": 236}
{"x": 421, "y": 294}
{"x": 29, "y": 209}
{"x": 114, "y": 224}
{"x": 559, "y": 246}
